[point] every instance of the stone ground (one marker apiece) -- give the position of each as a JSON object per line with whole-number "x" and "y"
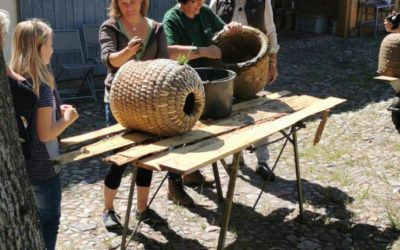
{"x": 350, "y": 180}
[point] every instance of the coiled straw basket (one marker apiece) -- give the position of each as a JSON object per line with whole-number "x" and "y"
{"x": 389, "y": 56}
{"x": 246, "y": 53}
{"x": 159, "y": 96}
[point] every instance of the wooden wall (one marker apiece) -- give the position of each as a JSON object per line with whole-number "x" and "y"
{"x": 72, "y": 14}
{"x": 69, "y": 14}
{"x": 352, "y": 20}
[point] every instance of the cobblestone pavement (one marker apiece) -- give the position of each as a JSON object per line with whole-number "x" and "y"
{"x": 350, "y": 180}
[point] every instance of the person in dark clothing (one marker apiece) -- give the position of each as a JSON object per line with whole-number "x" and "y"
{"x": 257, "y": 14}
{"x": 127, "y": 35}
{"x": 189, "y": 27}
{"x": 24, "y": 99}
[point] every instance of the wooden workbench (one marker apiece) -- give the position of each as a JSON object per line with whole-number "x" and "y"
{"x": 208, "y": 142}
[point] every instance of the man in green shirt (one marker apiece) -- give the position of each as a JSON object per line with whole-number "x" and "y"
{"x": 190, "y": 26}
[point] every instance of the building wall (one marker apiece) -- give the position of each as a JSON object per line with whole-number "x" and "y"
{"x": 328, "y": 8}
{"x": 12, "y": 8}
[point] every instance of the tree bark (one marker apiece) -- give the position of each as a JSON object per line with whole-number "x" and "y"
{"x": 19, "y": 223}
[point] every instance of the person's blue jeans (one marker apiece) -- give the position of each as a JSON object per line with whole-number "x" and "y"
{"x": 110, "y": 120}
{"x": 48, "y": 202}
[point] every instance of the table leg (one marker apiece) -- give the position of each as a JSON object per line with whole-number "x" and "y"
{"x": 129, "y": 207}
{"x": 225, "y": 165}
{"x": 217, "y": 181}
{"x": 298, "y": 177}
{"x": 228, "y": 201}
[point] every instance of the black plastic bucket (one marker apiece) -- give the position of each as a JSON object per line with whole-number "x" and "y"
{"x": 218, "y": 86}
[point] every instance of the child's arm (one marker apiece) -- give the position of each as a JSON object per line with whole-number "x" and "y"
{"x": 46, "y": 129}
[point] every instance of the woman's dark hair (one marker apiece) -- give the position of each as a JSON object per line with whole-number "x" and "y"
{"x": 183, "y": 1}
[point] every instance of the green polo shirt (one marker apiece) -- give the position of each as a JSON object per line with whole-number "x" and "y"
{"x": 197, "y": 31}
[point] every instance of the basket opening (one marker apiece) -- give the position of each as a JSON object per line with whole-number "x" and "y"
{"x": 240, "y": 48}
{"x": 188, "y": 108}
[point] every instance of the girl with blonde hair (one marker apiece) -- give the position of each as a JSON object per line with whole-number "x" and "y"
{"x": 31, "y": 53}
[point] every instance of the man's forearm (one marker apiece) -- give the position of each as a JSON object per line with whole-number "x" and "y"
{"x": 190, "y": 51}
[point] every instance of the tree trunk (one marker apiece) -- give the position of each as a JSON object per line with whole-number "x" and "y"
{"x": 19, "y": 223}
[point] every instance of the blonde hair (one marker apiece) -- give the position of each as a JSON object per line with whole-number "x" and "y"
{"x": 29, "y": 37}
{"x": 4, "y": 25}
{"x": 114, "y": 12}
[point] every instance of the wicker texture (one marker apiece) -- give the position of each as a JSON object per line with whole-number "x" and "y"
{"x": 159, "y": 96}
{"x": 246, "y": 53}
{"x": 389, "y": 56}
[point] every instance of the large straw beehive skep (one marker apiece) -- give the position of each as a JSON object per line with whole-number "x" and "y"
{"x": 159, "y": 96}
{"x": 247, "y": 53}
{"x": 389, "y": 56}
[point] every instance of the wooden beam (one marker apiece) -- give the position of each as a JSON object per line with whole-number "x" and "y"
{"x": 258, "y": 101}
{"x": 393, "y": 81}
{"x": 188, "y": 159}
{"x": 102, "y": 146}
{"x": 93, "y": 135}
{"x": 343, "y": 21}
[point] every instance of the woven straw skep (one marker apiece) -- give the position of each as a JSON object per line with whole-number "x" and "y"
{"x": 246, "y": 53}
{"x": 159, "y": 96}
{"x": 389, "y": 56}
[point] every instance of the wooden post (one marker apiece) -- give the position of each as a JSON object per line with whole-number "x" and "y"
{"x": 228, "y": 201}
{"x": 217, "y": 181}
{"x": 343, "y": 18}
{"x": 129, "y": 208}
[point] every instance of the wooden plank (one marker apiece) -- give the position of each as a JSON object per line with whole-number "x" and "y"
{"x": 94, "y": 135}
{"x": 343, "y": 17}
{"x": 264, "y": 97}
{"x": 102, "y": 147}
{"x": 214, "y": 128}
{"x": 188, "y": 159}
{"x": 393, "y": 81}
{"x": 48, "y": 12}
{"x": 386, "y": 78}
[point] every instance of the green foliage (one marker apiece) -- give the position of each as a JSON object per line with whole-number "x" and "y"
{"x": 182, "y": 59}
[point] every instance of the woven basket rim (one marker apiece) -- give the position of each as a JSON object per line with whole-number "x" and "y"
{"x": 248, "y": 29}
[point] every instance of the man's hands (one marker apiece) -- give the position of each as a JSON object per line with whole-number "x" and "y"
{"x": 233, "y": 27}
{"x": 212, "y": 52}
{"x": 273, "y": 69}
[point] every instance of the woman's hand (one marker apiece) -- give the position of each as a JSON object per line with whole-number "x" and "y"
{"x": 134, "y": 44}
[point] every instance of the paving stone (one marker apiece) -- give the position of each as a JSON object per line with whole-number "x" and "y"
{"x": 81, "y": 227}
